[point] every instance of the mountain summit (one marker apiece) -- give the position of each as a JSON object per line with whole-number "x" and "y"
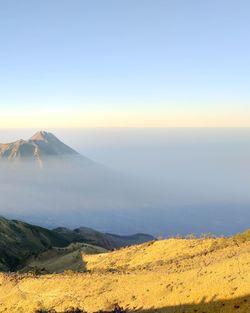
{"x": 49, "y": 144}
{"x": 43, "y": 136}
{"x": 40, "y": 145}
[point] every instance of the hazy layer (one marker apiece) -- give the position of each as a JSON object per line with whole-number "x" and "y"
{"x": 187, "y": 180}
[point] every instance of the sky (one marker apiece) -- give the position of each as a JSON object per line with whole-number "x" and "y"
{"x": 126, "y": 63}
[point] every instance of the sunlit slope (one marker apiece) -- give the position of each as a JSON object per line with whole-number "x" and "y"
{"x": 172, "y": 253}
{"x": 175, "y": 275}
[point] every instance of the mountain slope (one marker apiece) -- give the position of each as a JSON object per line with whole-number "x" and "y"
{"x": 105, "y": 240}
{"x": 41, "y": 144}
{"x": 19, "y": 241}
{"x": 167, "y": 276}
{"x": 60, "y": 259}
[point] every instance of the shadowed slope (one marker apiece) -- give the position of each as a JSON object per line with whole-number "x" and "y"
{"x": 59, "y": 259}
{"x": 108, "y": 241}
{"x": 20, "y": 241}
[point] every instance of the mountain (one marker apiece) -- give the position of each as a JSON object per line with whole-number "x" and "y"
{"x": 19, "y": 241}
{"x": 105, "y": 240}
{"x": 42, "y": 144}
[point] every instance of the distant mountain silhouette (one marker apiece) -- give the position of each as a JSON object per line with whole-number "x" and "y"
{"x": 41, "y": 144}
{"x": 105, "y": 240}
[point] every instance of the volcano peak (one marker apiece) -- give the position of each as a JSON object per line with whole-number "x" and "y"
{"x": 42, "y": 136}
{"x": 41, "y": 144}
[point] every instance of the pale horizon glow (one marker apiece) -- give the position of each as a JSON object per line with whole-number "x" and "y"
{"x": 66, "y": 118}
{"x": 144, "y": 63}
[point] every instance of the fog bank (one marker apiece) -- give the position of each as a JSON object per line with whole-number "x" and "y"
{"x": 163, "y": 181}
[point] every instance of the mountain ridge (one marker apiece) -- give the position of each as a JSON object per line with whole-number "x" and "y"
{"x": 42, "y": 144}
{"x": 106, "y": 240}
{"x": 20, "y": 240}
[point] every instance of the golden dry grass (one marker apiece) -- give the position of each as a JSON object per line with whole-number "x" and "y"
{"x": 175, "y": 275}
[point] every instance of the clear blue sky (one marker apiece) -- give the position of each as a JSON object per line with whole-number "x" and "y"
{"x": 124, "y": 63}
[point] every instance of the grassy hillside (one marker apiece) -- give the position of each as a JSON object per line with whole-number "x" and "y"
{"x": 173, "y": 276}
{"x": 57, "y": 260}
{"x": 19, "y": 240}
{"x": 242, "y": 236}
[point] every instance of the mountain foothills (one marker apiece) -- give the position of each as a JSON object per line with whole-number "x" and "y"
{"x": 20, "y": 241}
{"x": 203, "y": 275}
